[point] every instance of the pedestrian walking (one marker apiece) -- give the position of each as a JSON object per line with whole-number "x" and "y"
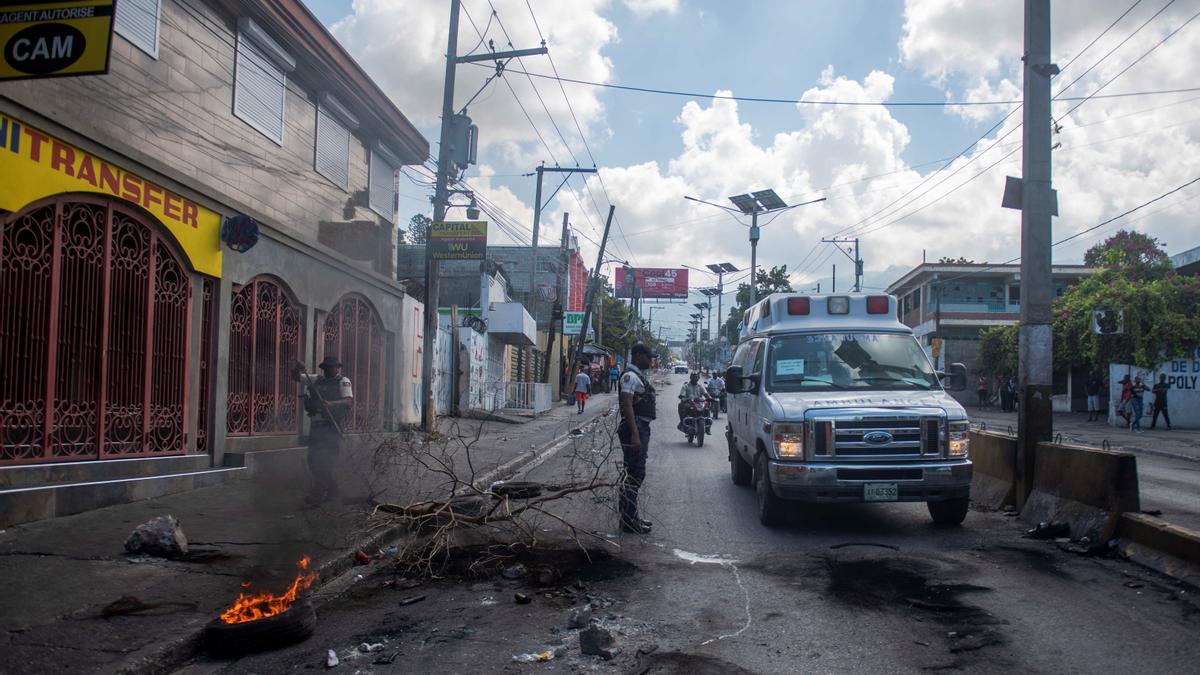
{"x": 1160, "y": 402}
{"x": 1123, "y": 408}
{"x": 1010, "y": 388}
{"x": 1136, "y": 401}
{"x": 614, "y": 376}
{"x": 981, "y": 388}
{"x": 1093, "y": 397}
{"x": 583, "y": 385}
{"x": 637, "y": 403}
{"x": 327, "y": 400}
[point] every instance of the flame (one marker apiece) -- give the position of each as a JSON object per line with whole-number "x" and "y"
{"x": 264, "y": 605}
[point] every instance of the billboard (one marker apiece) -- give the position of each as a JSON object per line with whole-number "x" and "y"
{"x": 458, "y": 240}
{"x": 653, "y": 283}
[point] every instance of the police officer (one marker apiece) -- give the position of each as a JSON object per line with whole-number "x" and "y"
{"x": 327, "y": 400}
{"x": 637, "y": 402}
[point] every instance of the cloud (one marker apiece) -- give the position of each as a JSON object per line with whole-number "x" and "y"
{"x": 646, "y": 7}
{"x": 402, "y": 44}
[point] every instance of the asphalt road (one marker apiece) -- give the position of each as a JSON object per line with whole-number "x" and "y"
{"x": 869, "y": 589}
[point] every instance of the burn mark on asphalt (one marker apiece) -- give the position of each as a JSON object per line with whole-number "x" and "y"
{"x": 689, "y": 664}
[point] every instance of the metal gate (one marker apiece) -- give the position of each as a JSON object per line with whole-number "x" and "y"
{"x": 354, "y": 333}
{"x": 95, "y": 313}
{"x": 264, "y": 341}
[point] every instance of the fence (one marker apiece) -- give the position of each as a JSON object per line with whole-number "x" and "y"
{"x": 528, "y": 396}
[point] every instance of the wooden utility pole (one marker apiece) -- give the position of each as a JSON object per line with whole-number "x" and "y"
{"x": 591, "y": 292}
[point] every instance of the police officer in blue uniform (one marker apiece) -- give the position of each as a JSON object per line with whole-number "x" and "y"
{"x": 327, "y": 401}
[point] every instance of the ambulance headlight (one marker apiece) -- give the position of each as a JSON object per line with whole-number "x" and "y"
{"x": 789, "y": 441}
{"x": 838, "y": 304}
{"x": 960, "y": 439}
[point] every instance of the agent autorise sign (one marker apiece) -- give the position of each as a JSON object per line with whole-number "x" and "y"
{"x": 55, "y": 39}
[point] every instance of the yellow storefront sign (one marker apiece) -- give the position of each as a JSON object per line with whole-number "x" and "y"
{"x": 55, "y": 39}
{"x": 35, "y": 165}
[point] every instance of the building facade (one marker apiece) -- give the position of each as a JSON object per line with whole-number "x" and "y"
{"x": 135, "y": 319}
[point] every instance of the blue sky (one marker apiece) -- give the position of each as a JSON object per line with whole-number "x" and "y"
{"x": 654, "y": 149}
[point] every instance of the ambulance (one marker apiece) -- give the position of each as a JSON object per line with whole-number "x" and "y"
{"x": 832, "y": 399}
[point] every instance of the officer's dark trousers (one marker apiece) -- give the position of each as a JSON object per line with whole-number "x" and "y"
{"x": 635, "y": 468}
{"x": 324, "y": 443}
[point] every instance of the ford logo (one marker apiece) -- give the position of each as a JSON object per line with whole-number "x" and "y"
{"x": 877, "y": 438}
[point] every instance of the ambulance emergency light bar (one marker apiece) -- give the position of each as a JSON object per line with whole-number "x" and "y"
{"x": 837, "y": 304}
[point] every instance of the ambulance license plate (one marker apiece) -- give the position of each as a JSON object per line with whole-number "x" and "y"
{"x": 880, "y": 492}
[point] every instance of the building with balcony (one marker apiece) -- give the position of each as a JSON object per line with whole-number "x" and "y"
{"x": 176, "y": 233}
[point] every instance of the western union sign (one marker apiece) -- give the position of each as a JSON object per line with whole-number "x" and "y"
{"x": 55, "y": 39}
{"x": 458, "y": 240}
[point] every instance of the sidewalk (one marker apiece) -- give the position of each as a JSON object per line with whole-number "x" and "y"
{"x": 1075, "y": 429}
{"x": 57, "y": 576}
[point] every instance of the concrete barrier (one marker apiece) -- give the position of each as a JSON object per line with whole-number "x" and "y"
{"x": 1088, "y": 488}
{"x": 1170, "y": 549}
{"x": 993, "y": 458}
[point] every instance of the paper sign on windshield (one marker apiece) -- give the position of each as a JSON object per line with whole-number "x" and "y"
{"x": 789, "y": 367}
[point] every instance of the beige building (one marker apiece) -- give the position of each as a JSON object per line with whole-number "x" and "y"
{"x": 138, "y": 322}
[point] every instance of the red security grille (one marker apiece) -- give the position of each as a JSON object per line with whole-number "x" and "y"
{"x": 204, "y": 424}
{"x": 264, "y": 342}
{"x": 354, "y": 333}
{"x": 94, "y": 325}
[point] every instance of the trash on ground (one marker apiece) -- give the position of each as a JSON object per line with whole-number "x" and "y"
{"x": 534, "y": 657}
{"x": 160, "y": 536}
{"x": 514, "y": 571}
{"x": 522, "y": 599}
{"x": 412, "y": 600}
{"x": 331, "y": 659}
{"x": 487, "y": 601}
{"x": 1049, "y": 530}
{"x": 580, "y": 617}
{"x": 597, "y": 641}
{"x": 361, "y": 557}
{"x": 370, "y": 647}
{"x": 1134, "y": 584}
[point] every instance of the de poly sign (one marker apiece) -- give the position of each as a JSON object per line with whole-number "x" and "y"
{"x": 55, "y": 39}
{"x": 572, "y": 323}
{"x": 458, "y": 240}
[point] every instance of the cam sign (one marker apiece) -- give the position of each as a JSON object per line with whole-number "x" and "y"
{"x": 55, "y": 39}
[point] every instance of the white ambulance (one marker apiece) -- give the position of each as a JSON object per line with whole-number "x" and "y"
{"x": 832, "y": 399}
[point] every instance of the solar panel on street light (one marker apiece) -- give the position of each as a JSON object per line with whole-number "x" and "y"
{"x": 769, "y": 200}
{"x": 729, "y": 267}
{"x": 746, "y": 203}
{"x": 716, "y": 269}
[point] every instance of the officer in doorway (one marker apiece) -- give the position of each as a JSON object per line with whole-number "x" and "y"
{"x": 637, "y": 403}
{"x": 327, "y": 400}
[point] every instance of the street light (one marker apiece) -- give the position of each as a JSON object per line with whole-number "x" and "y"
{"x": 752, "y": 204}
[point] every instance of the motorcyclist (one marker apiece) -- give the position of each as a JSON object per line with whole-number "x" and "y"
{"x": 692, "y": 390}
{"x": 716, "y": 388}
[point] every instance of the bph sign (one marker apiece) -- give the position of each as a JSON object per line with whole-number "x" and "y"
{"x": 55, "y": 39}
{"x": 572, "y": 323}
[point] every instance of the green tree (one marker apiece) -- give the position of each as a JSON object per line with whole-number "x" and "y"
{"x": 998, "y": 349}
{"x": 1134, "y": 279}
{"x": 773, "y": 281}
{"x": 418, "y": 229}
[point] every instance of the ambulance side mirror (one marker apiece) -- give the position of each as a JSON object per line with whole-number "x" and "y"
{"x": 733, "y": 380}
{"x": 955, "y": 377}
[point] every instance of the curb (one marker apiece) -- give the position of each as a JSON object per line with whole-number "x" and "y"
{"x": 187, "y": 644}
{"x": 1167, "y": 548}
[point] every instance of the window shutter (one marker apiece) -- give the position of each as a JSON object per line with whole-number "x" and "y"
{"x": 333, "y": 149}
{"x": 258, "y": 93}
{"x": 383, "y": 186}
{"x": 137, "y": 21}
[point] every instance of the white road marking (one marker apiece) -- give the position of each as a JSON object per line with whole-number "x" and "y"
{"x": 723, "y": 561}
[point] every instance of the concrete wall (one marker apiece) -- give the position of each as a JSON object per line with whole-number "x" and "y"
{"x": 1183, "y": 398}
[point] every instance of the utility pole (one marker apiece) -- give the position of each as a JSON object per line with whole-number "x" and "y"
{"x": 556, "y": 314}
{"x": 593, "y": 282}
{"x": 856, "y": 259}
{"x": 834, "y": 279}
{"x": 441, "y": 199}
{"x": 754, "y": 257}
{"x": 1038, "y": 203}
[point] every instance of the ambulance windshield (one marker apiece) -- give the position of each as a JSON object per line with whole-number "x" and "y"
{"x": 849, "y": 361}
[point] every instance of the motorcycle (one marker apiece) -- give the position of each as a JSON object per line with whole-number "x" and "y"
{"x": 697, "y": 422}
{"x": 718, "y": 402}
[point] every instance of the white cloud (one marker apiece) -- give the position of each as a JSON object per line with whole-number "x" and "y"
{"x": 402, "y": 44}
{"x": 645, "y": 7}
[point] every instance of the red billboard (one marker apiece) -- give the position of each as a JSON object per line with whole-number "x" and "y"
{"x": 654, "y": 283}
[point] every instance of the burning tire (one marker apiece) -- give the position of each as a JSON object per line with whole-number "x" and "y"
{"x": 293, "y": 625}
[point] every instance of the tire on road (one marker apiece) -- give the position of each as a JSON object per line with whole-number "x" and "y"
{"x": 770, "y": 507}
{"x": 700, "y": 434}
{"x": 235, "y": 639}
{"x": 949, "y": 511}
{"x": 739, "y": 469}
